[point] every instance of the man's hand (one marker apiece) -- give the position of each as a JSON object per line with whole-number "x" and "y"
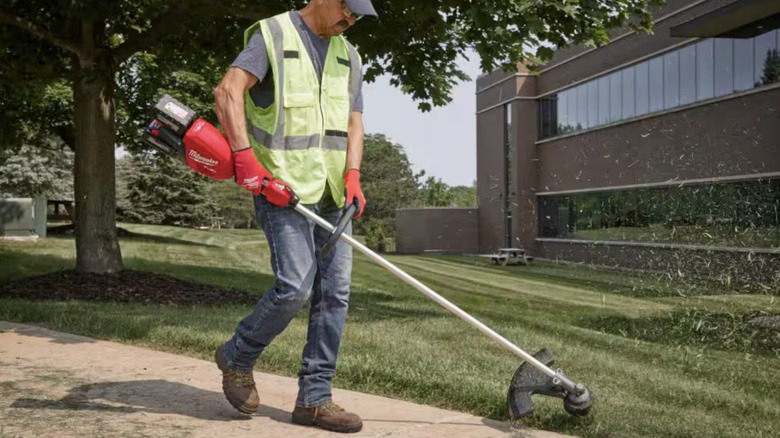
{"x": 250, "y": 174}
{"x": 352, "y": 182}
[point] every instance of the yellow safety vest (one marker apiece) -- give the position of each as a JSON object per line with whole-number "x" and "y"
{"x": 302, "y": 137}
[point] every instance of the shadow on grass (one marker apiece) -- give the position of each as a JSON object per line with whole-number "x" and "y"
{"x": 67, "y": 232}
{"x": 149, "y": 396}
{"x": 125, "y": 235}
{"x": 366, "y": 307}
{"x": 254, "y": 283}
{"x": 16, "y": 265}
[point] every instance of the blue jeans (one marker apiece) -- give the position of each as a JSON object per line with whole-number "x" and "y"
{"x": 295, "y": 245}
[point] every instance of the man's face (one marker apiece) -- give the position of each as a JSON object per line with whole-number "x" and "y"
{"x": 338, "y": 17}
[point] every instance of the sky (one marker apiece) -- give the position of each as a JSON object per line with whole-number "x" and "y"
{"x": 443, "y": 142}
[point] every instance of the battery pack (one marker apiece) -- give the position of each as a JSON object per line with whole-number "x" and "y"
{"x": 177, "y": 116}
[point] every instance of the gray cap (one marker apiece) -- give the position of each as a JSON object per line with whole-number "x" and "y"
{"x": 361, "y": 7}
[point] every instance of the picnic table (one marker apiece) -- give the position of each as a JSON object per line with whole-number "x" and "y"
{"x": 67, "y": 213}
{"x": 510, "y": 256}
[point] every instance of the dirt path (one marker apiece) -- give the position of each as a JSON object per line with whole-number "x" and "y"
{"x": 56, "y": 384}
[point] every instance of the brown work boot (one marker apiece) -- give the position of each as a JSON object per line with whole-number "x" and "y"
{"x": 329, "y": 417}
{"x": 238, "y": 386}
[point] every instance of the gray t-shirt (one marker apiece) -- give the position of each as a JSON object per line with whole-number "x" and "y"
{"x": 254, "y": 59}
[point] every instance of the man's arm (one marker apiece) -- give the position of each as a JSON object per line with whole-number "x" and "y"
{"x": 354, "y": 157}
{"x": 355, "y": 140}
{"x": 229, "y": 102}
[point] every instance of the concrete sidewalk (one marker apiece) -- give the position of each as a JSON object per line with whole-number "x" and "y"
{"x": 56, "y": 384}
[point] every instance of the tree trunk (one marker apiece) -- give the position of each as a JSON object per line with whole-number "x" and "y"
{"x": 97, "y": 246}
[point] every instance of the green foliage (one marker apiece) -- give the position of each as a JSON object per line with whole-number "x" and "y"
{"x": 149, "y": 76}
{"x": 464, "y": 196}
{"x": 387, "y": 179}
{"x": 163, "y": 191}
{"x": 32, "y": 171}
{"x": 771, "y": 72}
{"x": 418, "y": 43}
{"x": 388, "y": 183}
{"x": 234, "y": 205}
{"x": 35, "y": 113}
{"x": 131, "y": 50}
{"x": 378, "y": 232}
{"x": 435, "y": 193}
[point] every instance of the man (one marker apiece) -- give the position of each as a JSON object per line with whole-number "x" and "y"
{"x": 291, "y": 106}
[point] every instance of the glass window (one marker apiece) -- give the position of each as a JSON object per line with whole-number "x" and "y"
{"x": 710, "y": 68}
{"x": 716, "y": 214}
{"x": 724, "y": 66}
{"x": 687, "y": 75}
{"x": 656, "y": 72}
{"x": 628, "y": 93}
{"x": 642, "y": 88}
{"x": 705, "y": 69}
{"x": 582, "y": 107}
{"x": 763, "y": 50}
{"x": 563, "y": 116}
{"x": 548, "y": 216}
{"x": 743, "y": 64}
{"x": 544, "y": 118}
{"x": 672, "y": 80}
{"x": 603, "y": 100}
{"x": 593, "y": 103}
{"x": 615, "y": 96}
{"x": 553, "y": 115}
{"x": 572, "y": 109}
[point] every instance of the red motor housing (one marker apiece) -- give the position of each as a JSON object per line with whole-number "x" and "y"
{"x": 207, "y": 151}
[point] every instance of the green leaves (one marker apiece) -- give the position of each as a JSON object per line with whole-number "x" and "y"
{"x": 417, "y": 43}
{"x": 32, "y": 171}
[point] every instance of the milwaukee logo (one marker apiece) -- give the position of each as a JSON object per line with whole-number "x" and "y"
{"x": 201, "y": 159}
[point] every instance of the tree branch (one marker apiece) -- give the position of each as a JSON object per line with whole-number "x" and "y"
{"x": 33, "y": 75}
{"x": 215, "y": 8}
{"x": 40, "y": 32}
{"x": 161, "y": 24}
{"x": 169, "y": 19}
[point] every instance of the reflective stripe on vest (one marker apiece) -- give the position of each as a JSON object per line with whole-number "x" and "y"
{"x": 302, "y": 137}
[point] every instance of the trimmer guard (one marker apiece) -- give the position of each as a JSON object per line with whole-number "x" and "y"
{"x": 529, "y": 380}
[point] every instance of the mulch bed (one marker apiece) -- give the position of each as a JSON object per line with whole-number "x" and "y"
{"x": 127, "y": 287}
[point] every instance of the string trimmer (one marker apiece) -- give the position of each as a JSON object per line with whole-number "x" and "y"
{"x": 177, "y": 131}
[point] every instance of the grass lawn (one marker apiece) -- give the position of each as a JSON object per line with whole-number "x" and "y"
{"x": 660, "y": 363}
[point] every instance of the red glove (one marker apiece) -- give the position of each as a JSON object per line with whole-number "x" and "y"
{"x": 250, "y": 174}
{"x": 352, "y": 180}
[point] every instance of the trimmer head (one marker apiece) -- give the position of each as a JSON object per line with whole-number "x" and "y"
{"x": 529, "y": 380}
